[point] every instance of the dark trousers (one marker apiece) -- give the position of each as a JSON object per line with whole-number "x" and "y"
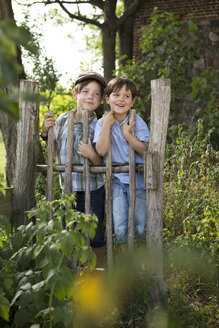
{"x": 97, "y": 208}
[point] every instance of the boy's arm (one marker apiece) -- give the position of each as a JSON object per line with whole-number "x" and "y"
{"x": 87, "y": 150}
{"x": 139, "y": 146}
{"x": 102, "y": 144}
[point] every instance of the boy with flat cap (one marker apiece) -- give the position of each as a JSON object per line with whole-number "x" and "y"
{"x": 88, "y": 91}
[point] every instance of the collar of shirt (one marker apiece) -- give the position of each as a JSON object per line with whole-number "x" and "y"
{"x": 120, "y": 124}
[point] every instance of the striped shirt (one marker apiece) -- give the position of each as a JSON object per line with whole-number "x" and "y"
{"x": 78, "y": 184}
{"x": 120, "y": 147}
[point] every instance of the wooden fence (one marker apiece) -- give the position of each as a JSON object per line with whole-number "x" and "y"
{"x": 23, "y": 196}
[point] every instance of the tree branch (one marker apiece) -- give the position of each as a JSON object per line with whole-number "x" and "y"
{"x": 129, "y": 12}
{"x": 97, "y": 3}
{"x": 79, "y": 17}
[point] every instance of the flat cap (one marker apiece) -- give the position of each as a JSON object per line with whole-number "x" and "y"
{"x": 90, "y": 75}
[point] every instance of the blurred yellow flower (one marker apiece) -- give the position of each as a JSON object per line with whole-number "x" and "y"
{"x": 93, "y": 297}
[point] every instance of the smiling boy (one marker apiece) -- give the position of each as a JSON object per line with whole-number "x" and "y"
{"x": 120, "y": 95}
{"x": 88, "y": 92}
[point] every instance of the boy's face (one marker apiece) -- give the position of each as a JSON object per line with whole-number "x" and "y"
{"x": 120, "y": 102}
{"x": 89, "y": 98}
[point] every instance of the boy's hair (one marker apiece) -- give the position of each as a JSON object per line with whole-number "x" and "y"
{"x": 117, "y": 83}
{"x": 86, "y": 77}
{"x": 84, "y": 83}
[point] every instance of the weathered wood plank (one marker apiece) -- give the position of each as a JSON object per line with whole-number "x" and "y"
{"x": 108, "y": 203}
{"x": 86, "y": 169}
{"x": 50, "y": 160}
{"x": 132, "y": 187}
{"x": 69, "y": 154}
{"x": 27, "y": 150}
{"x": 154, "y": 231}
{"x": 151, "y": 170}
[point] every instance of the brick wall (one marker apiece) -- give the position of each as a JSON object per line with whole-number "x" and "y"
{"x": 205, "y": 11}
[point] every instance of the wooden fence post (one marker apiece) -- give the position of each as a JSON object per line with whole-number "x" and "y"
{"x": 69, "y": 154}
{"x": 132, "y": 185}
{"x": 108, "y": 203}
{"x": 86, "y": 170}
{"x": 50, "y": 161}
{"x": 27, "y": 149}
{"x": 160, "y": 107}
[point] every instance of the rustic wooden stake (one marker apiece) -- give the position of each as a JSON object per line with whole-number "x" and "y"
{"x": 27, "y": 150}
{"x": 108, "y": 203}
{"x": 86, "y": 166}
{"x": 50, "y": 176}
{"x": 132, "y": 187}
{"x": 151, "y": 170}
{"x": 158, "y": 130}
{"x": 50, "y": 161}
{"x": 69, "y": 155}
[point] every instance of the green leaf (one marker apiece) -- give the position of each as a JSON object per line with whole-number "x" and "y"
{"x": 92, "y": 260}
{"x": 60, "y": 289}
{"x": 4, "y": 308}
{"x": 51, "y": 275}
{"x": 67, "y": 245}
{"x": 21, "y": 317}
{"x": 63, "y": 286}
{"x": 84, "y": 255}
{"x": 25, "y": 298}
{"x": 59, "y": 314}
{"x": 92, "y": 232}
{"x": 17, "y": 295}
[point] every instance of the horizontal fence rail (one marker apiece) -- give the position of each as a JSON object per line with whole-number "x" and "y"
{"x": 93, "y": 169}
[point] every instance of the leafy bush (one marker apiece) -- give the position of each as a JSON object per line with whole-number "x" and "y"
{"x": 37, "y": 266}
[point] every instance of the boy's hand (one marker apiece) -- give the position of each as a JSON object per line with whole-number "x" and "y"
{"x": 108, "y": 118}
{"x": 86, "y": 149}
{"x": 126, "y": 128}
{"x": 48, "y": 123}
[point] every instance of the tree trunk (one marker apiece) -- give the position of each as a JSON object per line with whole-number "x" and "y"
{"x": 6, "y": 11}
{"x": 108, "y": 44}
{"x": 126, "y": 36}
{"x": 8, "y": 126}
{"x": 109, "y": 38}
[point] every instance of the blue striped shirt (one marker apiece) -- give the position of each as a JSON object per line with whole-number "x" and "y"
{"x": 78, "y": 183}
{"x": 120, "y": 147}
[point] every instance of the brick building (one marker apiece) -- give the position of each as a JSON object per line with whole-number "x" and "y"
{"x": 206, "y": 12}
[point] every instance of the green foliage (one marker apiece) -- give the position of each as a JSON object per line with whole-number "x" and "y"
{"x": 61, "y": 101}
{"x": 11, "y": 37}
{"x": 205, "y": 94}
{"x": 45, "y": 73}
{"x": 191, "y": 189}
{"x": 169, "y": 49}
{"x": 37, "y": 266}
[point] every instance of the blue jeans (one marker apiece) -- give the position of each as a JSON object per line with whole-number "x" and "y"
{"x": 97, "y": 207}
{"x": 121, "y": 211}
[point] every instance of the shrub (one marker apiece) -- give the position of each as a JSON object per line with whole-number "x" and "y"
{"x": 37, "y": 264}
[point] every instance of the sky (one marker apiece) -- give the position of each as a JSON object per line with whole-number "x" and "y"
{"x": 70, "y": 54}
